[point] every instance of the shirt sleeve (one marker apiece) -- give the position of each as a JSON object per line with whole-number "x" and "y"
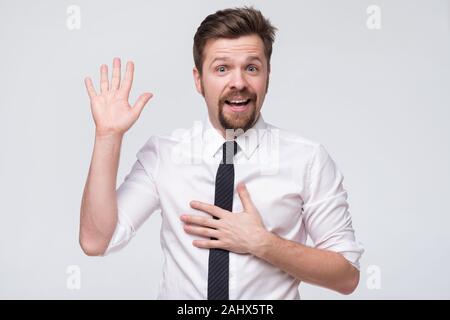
{"x": 326, "y": 210}
{"x": 137, "y": 197}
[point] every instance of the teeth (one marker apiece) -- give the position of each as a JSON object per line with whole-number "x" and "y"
{"x": 238, "y": 101}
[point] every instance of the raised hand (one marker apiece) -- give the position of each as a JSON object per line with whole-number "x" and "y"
{"x": 111, "y": 110}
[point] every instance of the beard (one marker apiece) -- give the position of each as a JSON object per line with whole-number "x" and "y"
{"x": 238, "y": 120}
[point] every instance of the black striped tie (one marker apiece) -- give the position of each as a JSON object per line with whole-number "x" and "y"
{"x": 219, "y": 258}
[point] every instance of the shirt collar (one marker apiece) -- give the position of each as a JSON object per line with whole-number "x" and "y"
{"x": 247, "y": 142}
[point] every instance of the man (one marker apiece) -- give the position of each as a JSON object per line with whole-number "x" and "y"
{"x": 238, "y": 202}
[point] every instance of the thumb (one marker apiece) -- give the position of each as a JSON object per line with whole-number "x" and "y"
{"x": 141, "y": 102}
{"x": 244, "y": 195}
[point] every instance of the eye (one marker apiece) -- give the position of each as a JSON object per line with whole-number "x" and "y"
{"x": 221, "y": 68}
{"x": 252, "y": 68}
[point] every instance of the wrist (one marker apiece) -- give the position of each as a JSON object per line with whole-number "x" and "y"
{"x": 108, "y": 135}
{"x": 263, "y": 244}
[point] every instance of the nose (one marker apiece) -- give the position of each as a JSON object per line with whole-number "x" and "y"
{"x": 238, "y": 81}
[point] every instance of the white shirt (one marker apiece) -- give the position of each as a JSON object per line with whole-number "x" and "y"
{"x": 293, "y": 182}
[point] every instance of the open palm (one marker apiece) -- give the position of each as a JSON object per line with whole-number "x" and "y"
{"x": 111, "y": 110}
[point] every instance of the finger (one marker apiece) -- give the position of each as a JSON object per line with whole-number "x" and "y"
{"x": 201, "y": 221}
{"x": 115, "y": 80}
{"x": 208, "y": 208}
{"x": 207, "y": 244}
{"x": 128, "y": 79}
{"x": 141, "y": 102}
{"x": 201, "y": 231}
{"x": 104, "y": 83}
{"x": 90, "y": 88}
{"x": 244, "y": 195}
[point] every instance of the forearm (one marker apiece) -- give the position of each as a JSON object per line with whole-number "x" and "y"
{"x": 98, "y": 214}
{"x": 316, "y": 266}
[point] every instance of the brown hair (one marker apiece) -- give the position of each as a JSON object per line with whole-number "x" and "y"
{"x": 233, "y": 23}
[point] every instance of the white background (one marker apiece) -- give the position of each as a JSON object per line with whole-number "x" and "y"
{"x": 378, "y": 100}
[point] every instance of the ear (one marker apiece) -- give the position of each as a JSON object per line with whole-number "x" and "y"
{"x": 197, "y": 80}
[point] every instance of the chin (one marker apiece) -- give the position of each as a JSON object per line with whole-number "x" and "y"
{"x": 238, "y": 120}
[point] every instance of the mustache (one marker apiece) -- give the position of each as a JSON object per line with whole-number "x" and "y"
{"x": 234, "y": 94}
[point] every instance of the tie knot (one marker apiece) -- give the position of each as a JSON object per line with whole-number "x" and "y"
{"x": 229, "y": 149}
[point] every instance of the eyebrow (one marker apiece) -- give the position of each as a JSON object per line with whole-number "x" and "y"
{"x": 249, "y": 58}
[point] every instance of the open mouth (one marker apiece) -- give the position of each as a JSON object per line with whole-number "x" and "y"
{"x": 237, "y": 103}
